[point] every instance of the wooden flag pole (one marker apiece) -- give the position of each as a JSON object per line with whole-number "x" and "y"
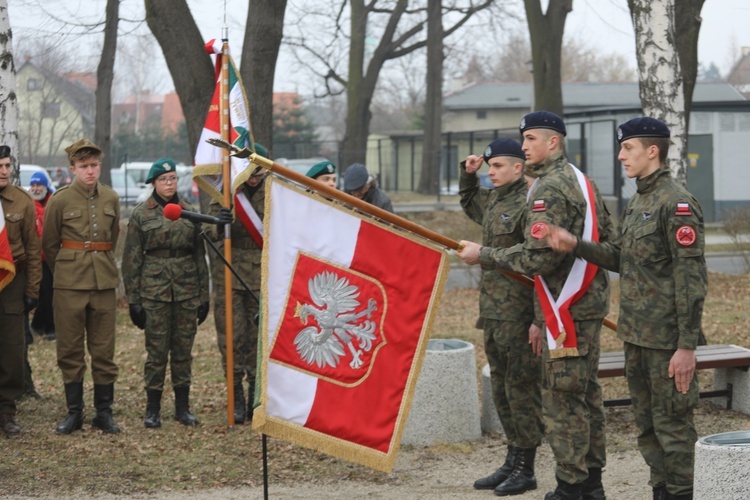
{"x": 227, "y": 191}
{"x": 379, "y": 213}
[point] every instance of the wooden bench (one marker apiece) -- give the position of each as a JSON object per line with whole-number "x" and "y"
{"x": 731, "y": 377}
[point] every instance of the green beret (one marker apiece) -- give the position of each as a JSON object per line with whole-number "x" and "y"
{"x": 160, "y": 166}
{"x": 322, "y": 168}
{"x": 261, "y": 150}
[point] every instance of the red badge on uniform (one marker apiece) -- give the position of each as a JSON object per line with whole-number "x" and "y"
{"x": 539, "y": 230}
{"x": 539, "y": 206}
{"x": 683, "y": 209}
{"x": 686, "y": 236}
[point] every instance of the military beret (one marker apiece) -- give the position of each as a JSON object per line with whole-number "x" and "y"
{"x": 503, "y": 147}
{"x": 644, "y": 126}
{"x": 261, "y": 150}
{"x": 322, "y": 168}
{"x": 543, "y": 119}
{"x": 79, "y": 145}
{"x": 355, "y": 177}
{"x": 159, "y": 167}
{"x": 4, "y": 151}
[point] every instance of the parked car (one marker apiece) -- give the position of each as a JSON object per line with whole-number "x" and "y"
{"x": 126, "y": 186}
{"x": 26, "y": 171}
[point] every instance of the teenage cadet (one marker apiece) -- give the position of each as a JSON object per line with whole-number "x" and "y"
{"x": 81, "y": 225}
{"x": 19, "y": 295}
{"x": 571, "y": 394}
{"x": 507, "y": 311}
{"x": 166, "y": 280}
{"x": 663, "y": 282}
{"x": 360, "y": 184}
{"x": 324, "y": 172}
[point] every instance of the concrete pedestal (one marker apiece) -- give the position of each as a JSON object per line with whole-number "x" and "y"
{"x": 445, "y": 407}
{"x": 722, "y": 465}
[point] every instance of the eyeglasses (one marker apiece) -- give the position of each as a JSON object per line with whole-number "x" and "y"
{"x": 167, "y": 180}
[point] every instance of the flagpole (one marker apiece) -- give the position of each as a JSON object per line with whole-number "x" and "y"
{"x": 227, "y": 191}
{"x": 379, "y": 213}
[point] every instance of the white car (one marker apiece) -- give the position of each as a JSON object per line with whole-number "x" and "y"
{"x": 26, "y": 171}
{"x": 126, "y": 186}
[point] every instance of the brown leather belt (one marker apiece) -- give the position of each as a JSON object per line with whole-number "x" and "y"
{"x": 88, "y": 246}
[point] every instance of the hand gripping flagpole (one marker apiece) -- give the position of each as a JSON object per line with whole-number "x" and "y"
{"x": 365, "y": 207}
{"x": 227, "y": 191}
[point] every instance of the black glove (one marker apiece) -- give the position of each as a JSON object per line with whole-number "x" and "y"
{"x": 202, "y": 312}
{"x": 29, "y": 304}
{"x": 138, "y": 315}
{"x": 225, "y": 217}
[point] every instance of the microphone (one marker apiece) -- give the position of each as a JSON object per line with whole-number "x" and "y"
{"x": 173, "y": 212}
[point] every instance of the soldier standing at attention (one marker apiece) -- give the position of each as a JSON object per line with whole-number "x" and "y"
{"x": 246, "y": 254}
{"x": 81, "y": 225}
{"x": 663, "y": 283}
{"x": 166, "y": 280}
{"x": 20, "y": 295}
{"x": 507, "y": 311}
{"x": 574, "y": 300}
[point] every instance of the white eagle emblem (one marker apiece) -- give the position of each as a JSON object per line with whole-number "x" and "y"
{"x": 338, "y": 324}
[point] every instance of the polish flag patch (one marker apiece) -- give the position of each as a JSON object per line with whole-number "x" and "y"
{"x": 683, "y": 209}
{"x": 686, "y": 235}
{"x": 539, "y": 206}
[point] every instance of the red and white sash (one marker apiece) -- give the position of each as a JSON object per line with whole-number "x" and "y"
{"x": 249, "y": 217}
{"x": 561, "y": 333}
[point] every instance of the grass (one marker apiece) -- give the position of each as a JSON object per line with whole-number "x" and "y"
{"x": 176, "y": 458}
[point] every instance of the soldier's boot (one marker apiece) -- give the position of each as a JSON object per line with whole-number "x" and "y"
{"x": 29, "y": 389}
{"x": 565, "y": 491}
{"x": 592, "y": 488}
{"x": 501, "y": 474}
{"x": 522, "y": 478}
{"x": 74, "y": 400}
{"x": 152, "y": 420}
{"x": 104, "y": 395}
{"x": 686, "y": 496}
{"x": 182, "y": 406}
{"x": 660, "y": 493}
{"x": 9, "y": 425}
{"x": 239, "y": 402}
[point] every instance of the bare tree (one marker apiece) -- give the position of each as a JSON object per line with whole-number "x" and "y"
{"x": 546, "y": 30}
{"x": 104, "y": 76}
{"x": 663, "y": 83}
{"x": 8, "y": 101}
{"x": 433, "y": 106}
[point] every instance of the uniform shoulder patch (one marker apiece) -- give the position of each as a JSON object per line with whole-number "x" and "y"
{"x": 686, "y": 235}
{"x": 683, "y": 209}
{"x": 539, "y": 206}
{"x": 539, "y": 230}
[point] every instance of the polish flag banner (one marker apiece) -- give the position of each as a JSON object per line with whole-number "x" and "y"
{"x": 7, "y": 267}
{"x": 348, "y": 306}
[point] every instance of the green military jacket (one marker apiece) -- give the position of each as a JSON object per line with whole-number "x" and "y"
{"x": 246, "y": 253}
{"x": 556, "y": 199}
{"x": 659, "y": 255}
{"x": 20, "y": 226}
{"x": 501, "y": 212}
{"x": 163, "y": 260}
{"x": 74, "y": 214}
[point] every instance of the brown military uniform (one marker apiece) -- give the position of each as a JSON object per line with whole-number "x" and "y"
{"x": 80, "y": 234}
{"x": 19, "y": 211}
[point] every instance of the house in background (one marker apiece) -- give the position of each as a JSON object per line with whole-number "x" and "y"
{"x": 144, "y": 111}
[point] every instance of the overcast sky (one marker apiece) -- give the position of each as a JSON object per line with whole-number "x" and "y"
{"x": 598, "y": 23}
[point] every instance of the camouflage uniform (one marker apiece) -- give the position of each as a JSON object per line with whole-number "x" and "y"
{"x": 164, "y": 269}
{"x": 507, "y": 310}
{"x": 246, "y": 261}
{"x": 25, "y": 247}
{"x": 662, "y": 288}
{"x": 573, "y": 409}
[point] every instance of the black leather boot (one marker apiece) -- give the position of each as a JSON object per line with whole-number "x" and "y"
{"x": 74, "y": 400}
{"x": 182, "y": 406}
{"x": 660, "y": 493}
{"x": 686, "y": 496}
{"x": 565, "y": 491}
{"x": 104, "y": 395}
{"x": 239, "y": 402}
{"x": 153, "y": 408}
{"x": 522, "y": 478}
{"x": 493, "y": 480}
{"x": 592, "y": 488}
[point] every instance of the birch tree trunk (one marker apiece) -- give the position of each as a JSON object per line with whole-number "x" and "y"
{"x": 660, "y": 76}
{"x": 8, "y": 99}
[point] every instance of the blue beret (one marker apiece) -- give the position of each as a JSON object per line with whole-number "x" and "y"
{"x": 644, "y": 126}
{"x": 160, "y": 166}
{"x": 322, "y": 168}
{"x": 504, "y": 147}
{"x": 355, "y": 177}
{"x": 543, "y": 119}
